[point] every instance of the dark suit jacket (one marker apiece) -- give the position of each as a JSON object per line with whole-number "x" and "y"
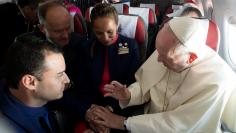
{"x": 122, "y": 67}
{"x": 22, "y": 118}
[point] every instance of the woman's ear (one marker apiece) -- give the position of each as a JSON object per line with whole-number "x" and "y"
{"x": 192, "y": 57}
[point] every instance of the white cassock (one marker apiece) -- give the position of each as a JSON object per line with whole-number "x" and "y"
{"x": 188, "y": 102}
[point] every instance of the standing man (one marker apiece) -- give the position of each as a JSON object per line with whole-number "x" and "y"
{"x": 34, "y": 75}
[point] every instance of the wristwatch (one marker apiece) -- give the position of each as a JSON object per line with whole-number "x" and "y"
{"x": 125, "y": 123}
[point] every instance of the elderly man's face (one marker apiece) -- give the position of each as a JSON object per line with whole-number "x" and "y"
{"x": 171, "y": 53}
{"x": 57, "y": 26}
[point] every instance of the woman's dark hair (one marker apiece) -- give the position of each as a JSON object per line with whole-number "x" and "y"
{"x": 103, "y": 10}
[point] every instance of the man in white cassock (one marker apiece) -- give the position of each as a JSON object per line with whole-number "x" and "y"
{"x": 184, "y": 83}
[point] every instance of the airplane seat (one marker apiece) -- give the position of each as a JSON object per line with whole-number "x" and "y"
{"x": 179, "y": 8}
{"x": 152, "y": 32}
{"x": 87, "y": 13}
{"x": 72, "y": 8}
{"x": 88, "y": 22}
{"x": 80, "y": 25}
{"x": 212, "y": 33}
{"x": 178, "y": 5}
{"x": 154, "y": 7}
{"x": 229, "y": 116}
{"x": 169, "y": 10}
{"x": 190, "y": 1}
{"x": 120, "y": 7}
{"x": 147, "y": 14}
{"x": 149, "y": 18}
{"x": 213, "y": 36}
{"x": 173, "y": 11}
{"x": 132, "y": 26}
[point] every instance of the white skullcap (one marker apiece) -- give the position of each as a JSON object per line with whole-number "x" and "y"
{"x": 190, "y": 32}
{"x": 183, "y": 28}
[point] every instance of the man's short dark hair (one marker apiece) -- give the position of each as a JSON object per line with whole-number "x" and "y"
{"x": 32, "y": 3}
{"x": 189, "y": 10}
{"x": 26, "y": 56}
{"x": 44, "y": 7}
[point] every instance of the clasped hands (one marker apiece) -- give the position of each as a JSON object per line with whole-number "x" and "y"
{"x": 92, "y": 116}
{"x": 101, "y": 119}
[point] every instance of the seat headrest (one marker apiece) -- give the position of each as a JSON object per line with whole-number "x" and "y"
{"x": 190, "y": 1}
{"x": 120, "y": 7}
{"x": 213, "y": 36}
{"x": 80, "y": 25}
{"x": 72, "y": 8}
{"x": 154, "y": 7}
{"x": 145, "y": 13}
{"x": 88, "y": 13}
{"x": 127, "y": 24}
{"x": 180, "y": 8}
{"x": 133, "y": 27}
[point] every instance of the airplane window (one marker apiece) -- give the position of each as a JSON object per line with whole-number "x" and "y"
{"x": 231, "y": 28}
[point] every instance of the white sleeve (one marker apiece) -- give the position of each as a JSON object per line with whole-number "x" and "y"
{"x": 137, "y": 97}
{"x": 201, "y": 113}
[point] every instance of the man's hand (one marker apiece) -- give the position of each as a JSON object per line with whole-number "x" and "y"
{"x": 91, "y": 117}
{"x": 117, "y": 91}
{"x": 89, "y": 131}
{"x": 108, "y": 119}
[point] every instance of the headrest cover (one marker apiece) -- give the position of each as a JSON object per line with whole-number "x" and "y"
{"x": 119, "y": 7}
{"x": 191, "y": 33}
{"x": 178, "y": 12}
{"x": 142, "y": 12}
{"x": 152, "y": 6}
{"x": 127, "y": 25}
